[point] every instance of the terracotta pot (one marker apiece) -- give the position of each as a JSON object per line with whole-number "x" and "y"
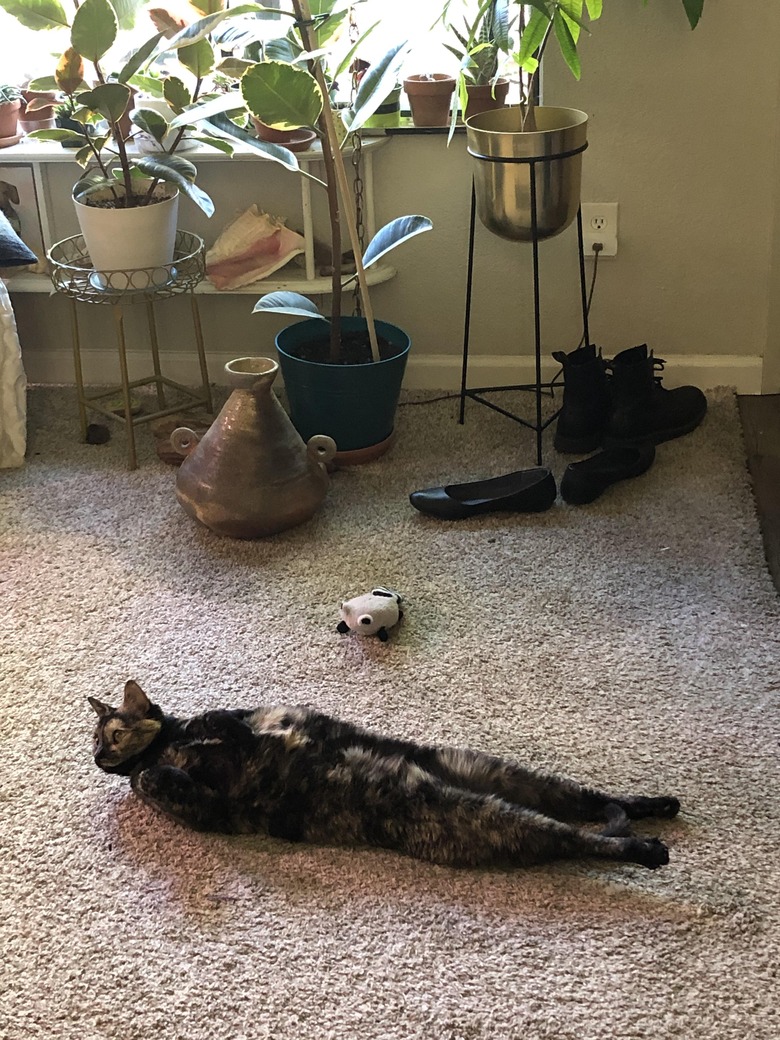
{"x": 430, "y": 98}
{"x": 9, "y": 120}
{"x": 484, "y": 97}
{"x": 296, "y": 140}
{"x": 251, "y": 475}
{"x": 43, "y": 118}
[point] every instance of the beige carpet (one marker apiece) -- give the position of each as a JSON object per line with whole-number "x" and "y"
{"x": 633, "y": 643}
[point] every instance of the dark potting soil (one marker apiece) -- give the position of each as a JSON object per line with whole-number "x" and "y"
{"x": 355, "y": 349}
{"x": 135, "y": 202}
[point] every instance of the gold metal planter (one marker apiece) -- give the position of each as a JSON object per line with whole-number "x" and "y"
{"x": 527, "y": 184}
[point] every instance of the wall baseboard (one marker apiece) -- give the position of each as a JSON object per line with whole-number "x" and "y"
{"x": 426, "y": 372}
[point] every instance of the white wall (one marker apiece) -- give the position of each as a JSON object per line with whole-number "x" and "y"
{"x": 683, "y": 134}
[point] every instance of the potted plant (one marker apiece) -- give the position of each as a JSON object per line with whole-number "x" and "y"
{"x": 483, "y": 45}
{"x": 430, "y": 97}
{"x": 342, "y": 374}
{"x": 10, "y": 103}
{"x": 513, "y": 145}
{"x": 126, "y": 205}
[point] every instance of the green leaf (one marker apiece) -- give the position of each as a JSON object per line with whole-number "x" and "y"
{"x": 288, "y": 303}
{"x": 393, "y": 234}
{"x": 203, "y": 27}
{"x": 150, "y": 121}
{"x": 282, "y": 95}
{"x": 281, "y": 155}
{"x": 176, "y": 94}
{"x": 229, "y": 102}
{"x": 199, "y": 58}
{"x": 595, "y": 6}
{"x": 44, "y": 83}
{"x": 694, "y": 9}
{"x": 56, "y": 135}
{"x": 126, "y": 11}
{"x": 214, "y": 142}
{"x": 375, "y": 86}
{"x": 37, "y": 14}
{"x": 109, "y": 99}
{"x": 174, "y": 169}
{"x": 234, "y": 67}
{"x": 532, "y": 37}
{"x": 567, "y": 44}
{"x": 94, "y": 29}
{"x": 137, "y": 60}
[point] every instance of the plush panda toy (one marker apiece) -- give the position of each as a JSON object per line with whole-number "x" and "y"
{"x": 371, "y": 614}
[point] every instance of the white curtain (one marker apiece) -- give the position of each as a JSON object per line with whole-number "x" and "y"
{"x": 13, "y": 388}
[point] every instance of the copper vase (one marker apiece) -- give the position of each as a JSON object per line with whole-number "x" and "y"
{"x": 251, "y": 475}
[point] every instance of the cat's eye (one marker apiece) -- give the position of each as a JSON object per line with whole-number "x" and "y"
{"x": 116, "y": 736}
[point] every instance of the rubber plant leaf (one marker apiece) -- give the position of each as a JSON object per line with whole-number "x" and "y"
{"x": 277, "y": 152}
{"x": 94, "y": 29}
{"x": 174, "y": 169}
{"x": 56, "y": 135}
{"x": 126, "y": 11}
{"x": 199, "y": 58}
{"x": 393, "y": 234}
{"x": 374, "y": 87}
{"x": 109, "y": 99}
{"x": 208, "y": 6}
{"x": 595, "y": 7}
{"x": 219, "y": 143}
{"x": 69, "y": 75}
{"x": 283, "y": 96}
{"x": 150, "y": 121}
{"x": 139, "y": 58}
{"x": 288, "y": 303}
{"x": 37, "y": 14}
{"x": 230, "y": 102}
{"x": 204, "y": 26}
{"x": 176, "y": 94}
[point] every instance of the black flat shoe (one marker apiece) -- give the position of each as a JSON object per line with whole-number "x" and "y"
{"x": 525, "y": 491}
{"x": 583, "y": 482}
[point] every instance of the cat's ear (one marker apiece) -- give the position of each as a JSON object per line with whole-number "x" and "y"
{"x": 99, "y": 707}
{"x": 135, "y": 701}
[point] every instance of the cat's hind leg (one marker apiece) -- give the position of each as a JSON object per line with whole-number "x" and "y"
{"x": 174, "y": 792}
{"x": 392, "y": 803}
{"x": 556, "y": 796}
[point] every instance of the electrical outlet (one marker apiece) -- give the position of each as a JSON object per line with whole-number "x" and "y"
{"x": 600, "y": 224}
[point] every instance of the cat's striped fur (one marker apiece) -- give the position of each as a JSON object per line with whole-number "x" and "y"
{"x": 303, "y": 776}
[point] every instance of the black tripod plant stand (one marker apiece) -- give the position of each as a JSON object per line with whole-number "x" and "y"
{"x": 539, "y": 425}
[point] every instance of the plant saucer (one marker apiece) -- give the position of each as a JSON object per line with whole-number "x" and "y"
{"x": 6, "y": 142}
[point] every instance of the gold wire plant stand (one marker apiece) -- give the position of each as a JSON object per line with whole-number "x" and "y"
{"x": 74, "y": 276}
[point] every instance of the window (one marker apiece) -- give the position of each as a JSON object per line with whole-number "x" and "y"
{"x": 27, "y": 54}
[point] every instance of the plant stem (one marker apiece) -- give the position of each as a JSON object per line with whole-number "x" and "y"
{"x": 116, "y": 133}
{"x": 337, "y": 184}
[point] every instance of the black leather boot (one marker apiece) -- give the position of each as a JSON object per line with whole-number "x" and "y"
{"x": 642, "y": 409}
{"x": 584, "y": 416}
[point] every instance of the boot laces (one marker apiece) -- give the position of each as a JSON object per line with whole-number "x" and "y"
{"x": 658, "y": 366}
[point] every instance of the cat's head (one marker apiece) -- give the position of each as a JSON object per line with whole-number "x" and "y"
{"x": 122, "y": 734}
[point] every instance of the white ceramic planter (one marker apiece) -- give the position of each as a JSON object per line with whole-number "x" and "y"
{"x": 130, "y": 239}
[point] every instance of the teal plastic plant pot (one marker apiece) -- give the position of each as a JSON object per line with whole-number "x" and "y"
{"x": 353, "y": 404}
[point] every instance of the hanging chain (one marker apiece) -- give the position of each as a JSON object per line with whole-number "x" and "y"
{"x": 357, "y": 156}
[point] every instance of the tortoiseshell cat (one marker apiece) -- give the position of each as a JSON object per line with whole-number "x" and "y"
{"x": 296, "y": 774}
